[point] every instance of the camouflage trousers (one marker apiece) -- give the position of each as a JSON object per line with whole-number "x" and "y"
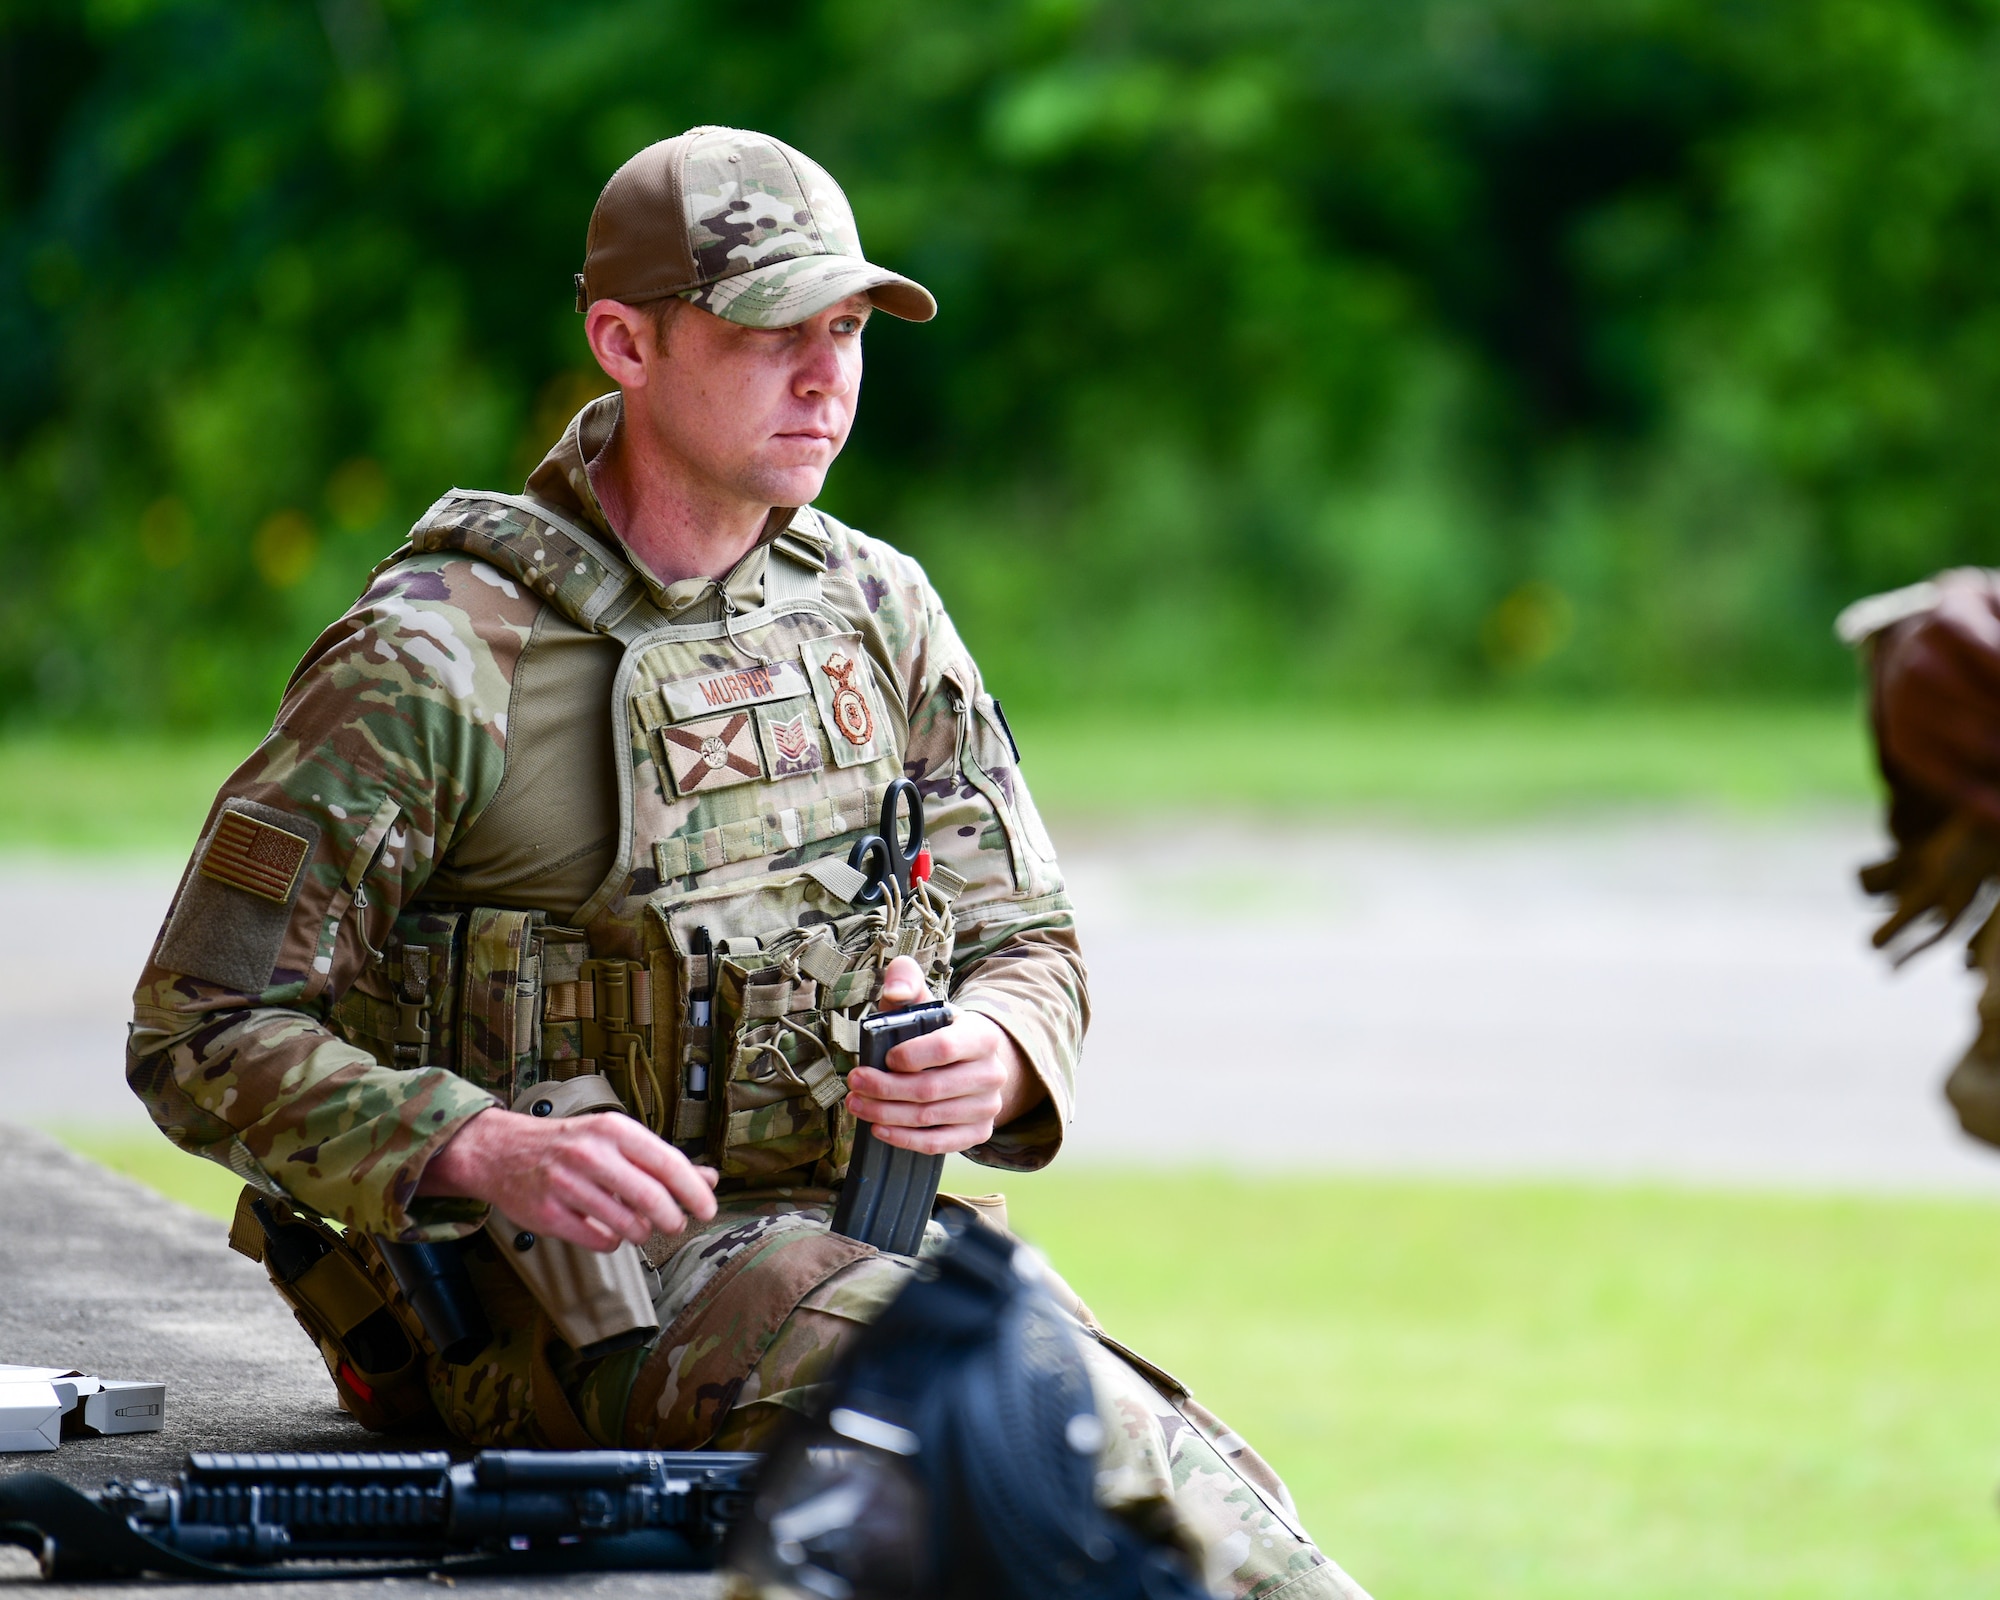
{"x": 755, "y": 1308}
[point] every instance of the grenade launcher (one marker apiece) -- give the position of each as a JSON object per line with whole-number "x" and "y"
{"x": 369, "y": 1515}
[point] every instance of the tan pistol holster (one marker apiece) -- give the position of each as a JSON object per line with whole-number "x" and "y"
{"x": 597, "y": 1301}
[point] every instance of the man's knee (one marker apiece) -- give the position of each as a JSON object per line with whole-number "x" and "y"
{"x": 729, "y": 1372}
{"x": 802, "y": 1356}
{"x": 1161, "y": 1468}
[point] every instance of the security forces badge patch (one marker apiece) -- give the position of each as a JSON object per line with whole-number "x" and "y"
{"x": 843, "y": 683}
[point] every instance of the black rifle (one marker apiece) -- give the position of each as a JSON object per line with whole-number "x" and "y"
{"x": 317, "y": 1515}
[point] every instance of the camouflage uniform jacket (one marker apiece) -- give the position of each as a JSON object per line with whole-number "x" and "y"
{"x": 446, "y": 742}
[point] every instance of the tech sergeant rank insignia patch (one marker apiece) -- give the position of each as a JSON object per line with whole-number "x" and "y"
{"x": 792, "y": 745}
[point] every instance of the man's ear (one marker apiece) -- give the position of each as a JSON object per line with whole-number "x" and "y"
{"x": 620, "y": 337}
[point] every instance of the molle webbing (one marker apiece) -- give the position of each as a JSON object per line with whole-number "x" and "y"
{"x": 741, "y": 1054}
{"x": 597, "y": 1017}
{"x": 506, "y": 1001}
{"x": 688, "y": 854}
{"x": 763, "y": 1073}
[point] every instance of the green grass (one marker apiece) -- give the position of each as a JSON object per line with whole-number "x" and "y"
{"x": 1451, "y": 763}
{"x": 126, "y": 794}
{"x": 203, "y": 1185}
{"x": 131, "y": 794}
{"x": 1553, "y": 1392}
{"x": 1530, "y": 1392}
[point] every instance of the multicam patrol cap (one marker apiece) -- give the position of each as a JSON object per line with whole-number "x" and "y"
{"x": 739, "y": 224}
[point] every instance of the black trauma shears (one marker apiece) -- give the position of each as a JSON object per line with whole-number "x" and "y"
{"x": 893, "y": 855}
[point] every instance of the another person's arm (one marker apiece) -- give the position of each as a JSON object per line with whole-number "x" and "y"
{"x": 1937, "y": 695}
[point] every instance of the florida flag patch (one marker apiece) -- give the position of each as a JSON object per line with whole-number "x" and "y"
{"x": 712, "y": 754}
{"x": 793, "y": 746}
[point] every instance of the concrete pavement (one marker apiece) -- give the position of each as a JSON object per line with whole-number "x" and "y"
{"x": 101, "y": 1274}
{"x": 1678, "y": 997}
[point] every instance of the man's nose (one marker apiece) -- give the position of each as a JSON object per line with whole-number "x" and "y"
{"x": 821, "y": 371}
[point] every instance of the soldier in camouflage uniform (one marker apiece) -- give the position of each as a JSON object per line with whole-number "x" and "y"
{"x": 1933, "y": 656}
{"x": 569, "y": 790}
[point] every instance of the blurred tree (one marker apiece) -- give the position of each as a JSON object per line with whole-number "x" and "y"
{"x": 1288, "y": 348}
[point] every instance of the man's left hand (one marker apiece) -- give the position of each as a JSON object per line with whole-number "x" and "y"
{"x": 948, "y": 1090}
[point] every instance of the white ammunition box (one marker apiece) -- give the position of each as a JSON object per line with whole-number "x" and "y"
{"x": 126, "y": 1405}
{"x": 96, "y": 1405}
{"x": 30, "y": 1417}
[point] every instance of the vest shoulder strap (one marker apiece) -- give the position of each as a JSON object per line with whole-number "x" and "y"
{"x": 797, "y": 562}
{"x": 569, "y": 567}
{"x": 573, "y": 569}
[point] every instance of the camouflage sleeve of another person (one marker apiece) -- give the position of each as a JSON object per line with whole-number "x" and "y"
{"x": 389, "y": 743}
{"x": 1017, "y": 959}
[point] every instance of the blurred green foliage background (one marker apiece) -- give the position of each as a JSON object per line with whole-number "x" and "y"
{"x": 1295, "y": 349}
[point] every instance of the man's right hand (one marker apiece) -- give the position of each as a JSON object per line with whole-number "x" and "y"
{"x": 596, "y": 1181}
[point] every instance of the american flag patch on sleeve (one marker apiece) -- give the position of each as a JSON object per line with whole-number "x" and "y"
{"x": 255, "y": 856}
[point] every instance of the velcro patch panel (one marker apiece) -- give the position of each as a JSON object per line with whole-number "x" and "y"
{"x": 723, "y": 691}
{"x": 687, "y": 854}
{"x": 229, "y": 920}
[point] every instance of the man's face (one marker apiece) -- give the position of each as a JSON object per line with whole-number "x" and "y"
{"x": 757, "y": 414}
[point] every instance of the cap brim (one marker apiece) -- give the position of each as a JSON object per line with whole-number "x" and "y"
{"x": 786, "y": 292}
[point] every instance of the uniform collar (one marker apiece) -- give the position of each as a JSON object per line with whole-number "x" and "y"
{"x": 562, "y": 482}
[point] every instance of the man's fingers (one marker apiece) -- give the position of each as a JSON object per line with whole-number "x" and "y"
{"x": 929, "y": 1051}
{"x": 903, "y": 983}
{"x": 612, "y": 1170}
{"x": 967, "y": 1039}
{"x": 925, "y": 1088}
{"x": 971, "y": 1108}
{"x": 597, "y": 1179}
{"x": 555, "y": 1218}
{"x": 936, "y": 1141}
{"x": 692, "y": 1187}
{"x": 573, "y": 1189}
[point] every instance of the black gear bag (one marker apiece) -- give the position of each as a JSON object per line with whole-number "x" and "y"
{"x": 954, "y": 1458}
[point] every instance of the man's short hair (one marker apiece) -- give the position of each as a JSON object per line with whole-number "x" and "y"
{"x": 661, "y": 313}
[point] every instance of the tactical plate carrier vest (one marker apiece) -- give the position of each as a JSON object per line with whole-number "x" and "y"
{"x": 726, "y": 1016}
